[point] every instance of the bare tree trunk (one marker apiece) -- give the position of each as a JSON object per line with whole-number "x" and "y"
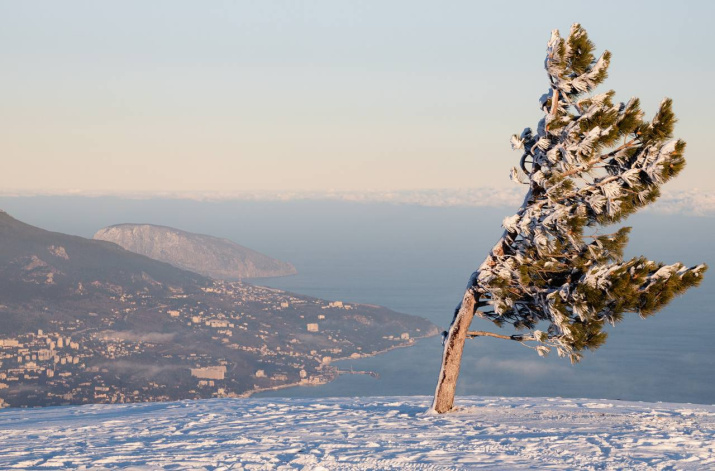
{"x": 452, "y": 356}
{"x": 459, "y": 329}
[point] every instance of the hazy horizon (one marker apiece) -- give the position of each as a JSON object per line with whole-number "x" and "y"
{"x": 692, "y": 202}
{"x": 416, "y": 259}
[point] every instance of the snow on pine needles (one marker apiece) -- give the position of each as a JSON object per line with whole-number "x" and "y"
{"x": 361, "y": 433}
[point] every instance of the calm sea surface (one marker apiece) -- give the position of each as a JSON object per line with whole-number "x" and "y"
{"x": 417, "y": 260}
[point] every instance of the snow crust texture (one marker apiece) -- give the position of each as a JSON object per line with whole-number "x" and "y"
{"x": 358, "y": 434}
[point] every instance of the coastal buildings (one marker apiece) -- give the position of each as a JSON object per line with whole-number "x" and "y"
{"x": 231, "y": 338}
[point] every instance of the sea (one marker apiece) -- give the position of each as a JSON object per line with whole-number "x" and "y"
{"x": 417, "y": 260}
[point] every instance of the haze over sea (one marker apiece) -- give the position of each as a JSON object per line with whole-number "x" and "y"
{"x": 417, "y": 259}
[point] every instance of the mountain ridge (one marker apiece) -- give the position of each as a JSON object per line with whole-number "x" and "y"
{"x": 74, "y": 259}
{"x": 207, "y": 255}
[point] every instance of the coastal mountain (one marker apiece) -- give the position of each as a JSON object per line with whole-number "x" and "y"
{"x": 210, "y": 256}
{"x": 36, "y": 264}
{"x": 85, "y": 321}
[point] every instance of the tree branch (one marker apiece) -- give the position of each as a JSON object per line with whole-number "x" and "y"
{"x": 518, "y": 338}
{"x": 522, "y": 164}
{"x": 585, "y": 167}
{"x": 555, "y": 102}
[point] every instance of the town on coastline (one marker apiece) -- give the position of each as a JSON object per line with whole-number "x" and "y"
{"x": 229, "y": 339}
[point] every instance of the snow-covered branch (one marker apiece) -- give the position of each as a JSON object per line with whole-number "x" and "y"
{"x": 593, "y": 162}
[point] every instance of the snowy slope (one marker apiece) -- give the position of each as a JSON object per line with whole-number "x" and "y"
{"x": 365, "y": 433}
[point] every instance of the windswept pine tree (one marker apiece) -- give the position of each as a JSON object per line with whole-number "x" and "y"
{"x": 590, "y": 163}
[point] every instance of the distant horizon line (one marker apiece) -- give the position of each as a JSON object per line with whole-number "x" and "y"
{"x": 691, "y": 202}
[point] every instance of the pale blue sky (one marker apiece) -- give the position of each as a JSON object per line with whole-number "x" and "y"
{"x": 316, "y": 95}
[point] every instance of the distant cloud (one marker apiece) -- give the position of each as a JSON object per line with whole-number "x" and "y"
{"x": 141, "y": 369}
{"x": 690, "y": 202}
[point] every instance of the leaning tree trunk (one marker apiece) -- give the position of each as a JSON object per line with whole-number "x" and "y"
{"x": 452, "y": 356}
{"x": 459, "y": 329}
{"x": 459, "y": 332}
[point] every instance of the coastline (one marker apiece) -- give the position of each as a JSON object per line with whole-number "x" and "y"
{"x": 334, "y": 371}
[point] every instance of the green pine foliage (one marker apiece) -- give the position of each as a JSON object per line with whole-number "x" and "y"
{"x": 591, "y": 162}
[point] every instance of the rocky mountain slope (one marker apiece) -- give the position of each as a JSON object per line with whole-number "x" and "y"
{"x": 211, "y": 256}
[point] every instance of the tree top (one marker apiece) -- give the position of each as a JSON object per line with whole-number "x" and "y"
{"x": 591, "y": 162}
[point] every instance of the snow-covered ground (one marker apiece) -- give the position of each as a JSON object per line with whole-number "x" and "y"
{"x": 364, "y": 433}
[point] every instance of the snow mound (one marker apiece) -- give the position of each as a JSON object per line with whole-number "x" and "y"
{"x": 362, "y": 433}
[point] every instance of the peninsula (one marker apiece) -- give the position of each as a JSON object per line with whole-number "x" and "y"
{"x": 217, "y": 258}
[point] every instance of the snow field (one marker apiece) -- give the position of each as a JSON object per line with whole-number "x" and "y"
{"x": 362, "y": 433}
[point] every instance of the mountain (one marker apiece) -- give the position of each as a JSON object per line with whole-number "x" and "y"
{"x": 84, "y": 321}
{"x": 211, "y": 256}
{"x": 365, "y": 433}
{"x": 38, "y": 263}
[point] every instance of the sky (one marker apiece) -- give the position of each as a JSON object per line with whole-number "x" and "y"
{"x": 322, "y": 95}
